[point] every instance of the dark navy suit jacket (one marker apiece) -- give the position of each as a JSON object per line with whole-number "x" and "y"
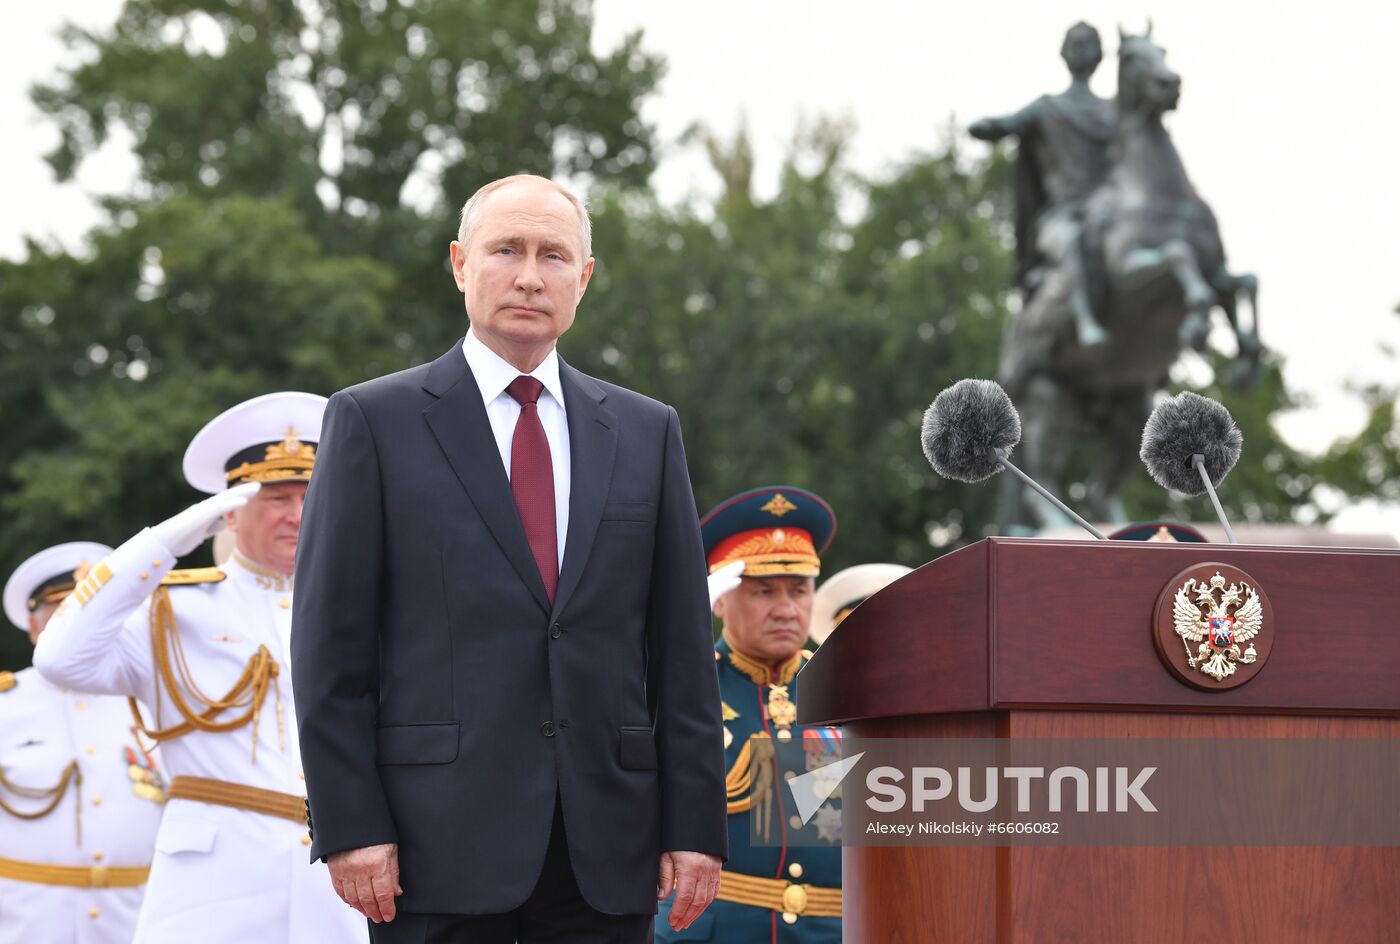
{"x": 442, "y": 701}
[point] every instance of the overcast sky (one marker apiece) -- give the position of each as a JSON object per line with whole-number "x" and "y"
{"x": 1286, "y": 125}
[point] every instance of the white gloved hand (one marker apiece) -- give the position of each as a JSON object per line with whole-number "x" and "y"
{"x": 725, "y": 579}
{"x": 200, "y": 522}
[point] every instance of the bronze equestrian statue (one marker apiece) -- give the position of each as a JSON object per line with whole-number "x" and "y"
{"x": 1144, "y": 256}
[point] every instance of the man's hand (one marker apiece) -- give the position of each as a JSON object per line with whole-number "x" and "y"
{"x": 198, "y": 523}
{"x": 368, "y": 879}
{"x": 695, "y": 877}
{"x": 725, "y": 579}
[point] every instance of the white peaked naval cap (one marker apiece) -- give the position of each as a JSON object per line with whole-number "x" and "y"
{"x": 845, "y": 590}
{"x": 49, "y": 575}
{"x": 271, "y": 438}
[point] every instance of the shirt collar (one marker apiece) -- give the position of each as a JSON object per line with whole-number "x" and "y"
{"x": 494, "y": 374}
{"x": 264, "y": 578}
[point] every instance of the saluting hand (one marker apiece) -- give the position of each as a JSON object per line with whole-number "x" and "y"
{"x": 695, "y": 877}
{"x": 725, "y": 579}
{"x": 201, "y": 521}
{"x": 368, "y": 879}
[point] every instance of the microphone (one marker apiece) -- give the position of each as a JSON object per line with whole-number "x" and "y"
{"x": 968, "y": 434}
{"x": 1189, "y": 445}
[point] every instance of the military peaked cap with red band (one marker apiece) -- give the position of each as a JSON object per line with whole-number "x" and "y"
{"x": 775, "y": 530}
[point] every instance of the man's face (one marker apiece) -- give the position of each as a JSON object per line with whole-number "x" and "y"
{"x": 523, "y": 273}
{"x": 39, "y": 618}
{"x": 767, "y": 618}
{"x": 266, "y": 529}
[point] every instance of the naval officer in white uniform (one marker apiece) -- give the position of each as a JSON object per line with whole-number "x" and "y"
{"x": 207, "y": 654}
{"x": 79, "y": 798}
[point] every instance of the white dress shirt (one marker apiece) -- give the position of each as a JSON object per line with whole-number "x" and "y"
{"x": 493, "y": 375}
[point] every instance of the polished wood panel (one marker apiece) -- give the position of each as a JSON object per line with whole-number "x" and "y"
{"x": 1022, "y": 639}
{"x": 1022, "y": 622}
{"x": 1108, "y": 895}
{"x": 1074, "y": 626}
{"x": 919, "y": 646}
{"x": 914, "y": 895}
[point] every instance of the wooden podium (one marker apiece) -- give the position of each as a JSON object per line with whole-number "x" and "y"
{"x": 1026, "y": 638}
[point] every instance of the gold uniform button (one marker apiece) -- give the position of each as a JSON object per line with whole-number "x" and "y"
{"x": 301, "y": 774}
{"x": 285, "y": 603}
{"x": 97, "y": 857}
{"x": 306, "y": 839}
{"x": 784, "y": 734}
{"x": 155, "y": 563}
{"x": 94, "y": 911}
{"x": 144, "y": 575}
{"x": 795, "y": 870}
{"x": 80, "y": 705}
{"x": 90, "y": 750}
{"x": 789, "y": 774}
{"x": 789, "y": 917}
{"x": 97, "y": 801}
{"x": 795, "y": 821}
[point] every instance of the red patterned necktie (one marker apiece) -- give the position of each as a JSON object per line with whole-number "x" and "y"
{"x": 532, "y": 480}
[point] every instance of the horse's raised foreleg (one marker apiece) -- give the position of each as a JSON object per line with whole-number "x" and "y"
{"x": 1177, "y": 258}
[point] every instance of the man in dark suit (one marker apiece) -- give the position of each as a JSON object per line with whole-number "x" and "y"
{"x": 501, "y": 647}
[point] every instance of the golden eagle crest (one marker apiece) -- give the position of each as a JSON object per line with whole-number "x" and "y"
{"x": 1219, "y": 619}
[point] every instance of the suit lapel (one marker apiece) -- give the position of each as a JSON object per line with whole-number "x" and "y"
{"x": 458, "y": 422}
{"x": 592, "y": 448}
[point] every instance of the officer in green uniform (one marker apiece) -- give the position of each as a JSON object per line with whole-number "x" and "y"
{"x": 782, "y": 881}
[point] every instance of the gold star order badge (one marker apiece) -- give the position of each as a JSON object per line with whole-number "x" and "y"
{"x": 781, "y": 710}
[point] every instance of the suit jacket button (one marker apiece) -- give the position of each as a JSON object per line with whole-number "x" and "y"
{"x": 556, "y": 631}
{"x": 547, "y": 729}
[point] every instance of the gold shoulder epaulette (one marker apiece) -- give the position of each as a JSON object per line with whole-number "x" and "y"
{"x": 181, "y": 578}
{"x": 7, "y": 681}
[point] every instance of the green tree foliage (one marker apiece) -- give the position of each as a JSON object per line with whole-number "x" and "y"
{"x": 301, "y": 165}
{"x": 802, "y": 347}
{"x": 300, "y": 170}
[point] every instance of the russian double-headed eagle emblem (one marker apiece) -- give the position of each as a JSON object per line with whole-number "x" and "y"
{"x": 1218, "y": 619}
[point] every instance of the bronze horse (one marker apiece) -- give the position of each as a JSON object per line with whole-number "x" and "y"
{"x": 1154, "y": 262}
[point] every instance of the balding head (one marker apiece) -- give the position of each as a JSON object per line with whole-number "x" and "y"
{"x": 471, "y": 210}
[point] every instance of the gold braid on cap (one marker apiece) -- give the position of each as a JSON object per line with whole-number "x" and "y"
{"x": 56, "y": 588}
{"x": 288, "y": 460}
{"x": 769, "y": 552}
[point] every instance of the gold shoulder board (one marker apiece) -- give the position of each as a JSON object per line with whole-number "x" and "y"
{"x": 181, "y": 578}
{"x": 7, "y": 681}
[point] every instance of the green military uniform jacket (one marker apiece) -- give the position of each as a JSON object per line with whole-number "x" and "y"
{"x": 782, "y": 881}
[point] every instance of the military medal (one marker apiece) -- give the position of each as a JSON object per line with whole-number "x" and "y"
{"x": 146, "y": 781}
{"x": 781, "y": 710}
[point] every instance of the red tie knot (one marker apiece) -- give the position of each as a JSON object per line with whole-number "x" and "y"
{"x": 525, "y": 389}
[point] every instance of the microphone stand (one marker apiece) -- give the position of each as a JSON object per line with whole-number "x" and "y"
{"x": 1199, "y": 461}
{"x": 1007, "y": 464}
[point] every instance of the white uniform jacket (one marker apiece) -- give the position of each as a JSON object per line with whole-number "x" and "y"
{"x": 105, "y": 820}
{"x": 219, "y": 874}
